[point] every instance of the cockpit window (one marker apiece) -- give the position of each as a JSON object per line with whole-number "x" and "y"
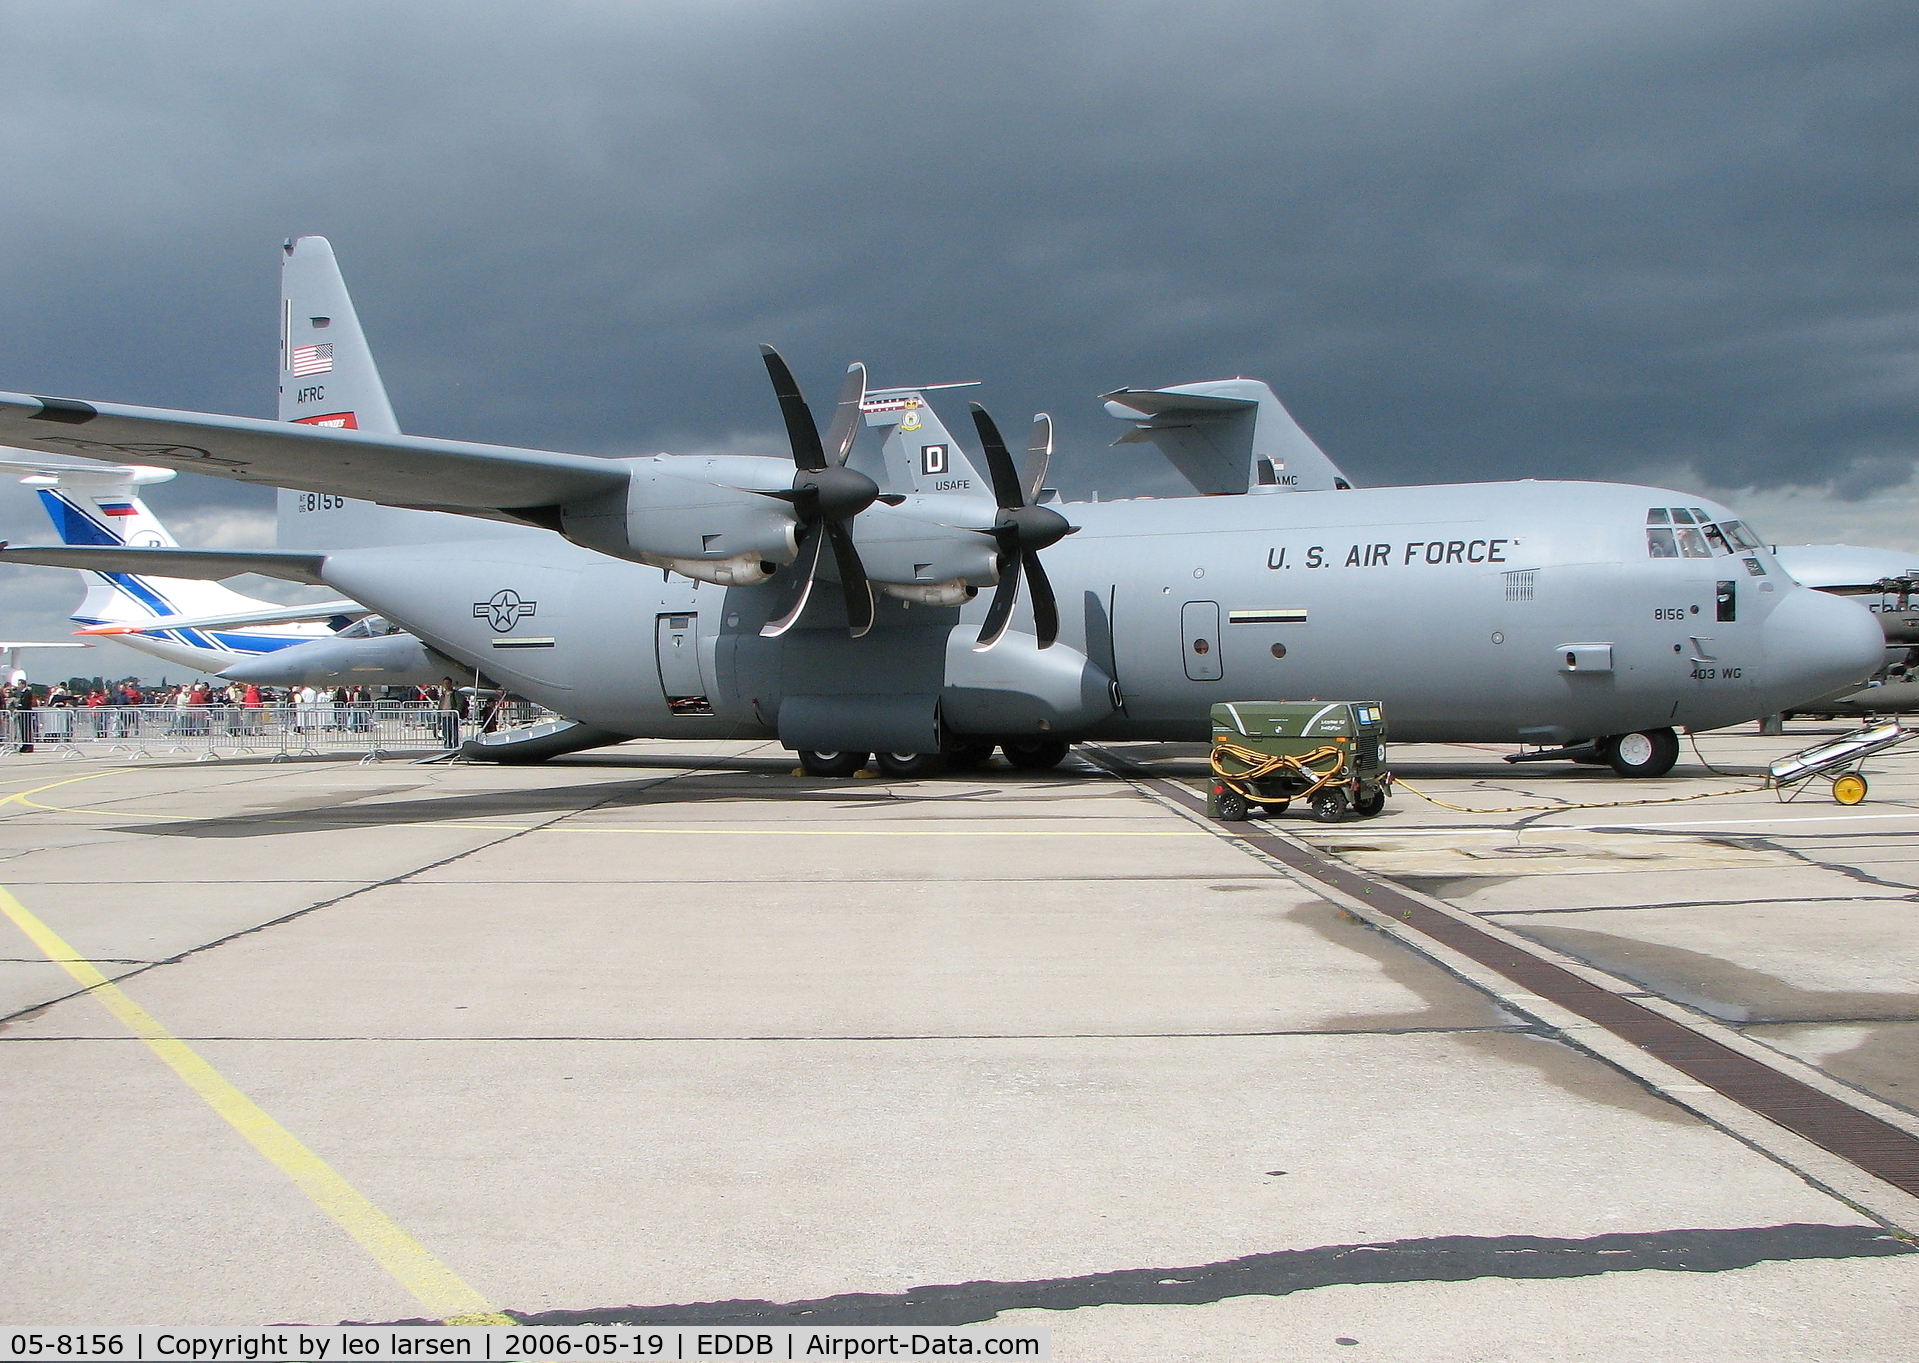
{"x": 1694, "y": 535}
{"x": 1693, "y": 544}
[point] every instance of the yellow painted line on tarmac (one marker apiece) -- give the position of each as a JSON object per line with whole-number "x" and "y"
{"x": 19, "y": 797}
{"x": 438, "y": 1288}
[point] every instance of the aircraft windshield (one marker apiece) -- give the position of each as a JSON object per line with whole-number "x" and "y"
{"x": 1688, "y": 532}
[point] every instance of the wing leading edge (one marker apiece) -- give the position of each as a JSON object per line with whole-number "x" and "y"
{"x": 398, "y": 470}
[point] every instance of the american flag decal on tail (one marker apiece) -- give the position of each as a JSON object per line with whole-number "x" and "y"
{"x": 312, "y": 359}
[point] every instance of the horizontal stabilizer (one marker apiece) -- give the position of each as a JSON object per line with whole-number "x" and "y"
{"x": 276, "y": 615}
{"x": 398, "y": 470}
{"x": 209, "y": 564}
{"x": 1230, "y": 435}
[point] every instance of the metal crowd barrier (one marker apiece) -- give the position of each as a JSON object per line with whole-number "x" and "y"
{"x": 213, "y": 731}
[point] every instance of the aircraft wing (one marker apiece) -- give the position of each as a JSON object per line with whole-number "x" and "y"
{"x": 278, "y": 615}
{"x": 211, "y": 564}
{"x": 398, "y": 470}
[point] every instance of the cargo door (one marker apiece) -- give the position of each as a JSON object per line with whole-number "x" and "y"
{"x": 677, "y": 646}
{"x": 1199, "y": 628}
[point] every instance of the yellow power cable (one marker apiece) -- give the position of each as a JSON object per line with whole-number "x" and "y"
{"x": 1606, "y": 804}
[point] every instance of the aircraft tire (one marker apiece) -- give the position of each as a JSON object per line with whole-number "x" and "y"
{"x": 832, "y": 763}
{"x": 1651, "y": 752}
{"x": 1329, "y": 806}
{"x": 1035, "y": 754}
{"x": 909, "y": 766}
{"x": 968, "y": 756}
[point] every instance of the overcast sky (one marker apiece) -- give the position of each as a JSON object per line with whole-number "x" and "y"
{"x": 1668, "y": 241}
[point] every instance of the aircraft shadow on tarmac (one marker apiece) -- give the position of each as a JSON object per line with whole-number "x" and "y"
{"x": 1453, "y": 1258}
{"x": 736, "y": 783}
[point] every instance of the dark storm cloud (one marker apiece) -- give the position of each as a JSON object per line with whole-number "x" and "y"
{"x": 1461, "y": 240}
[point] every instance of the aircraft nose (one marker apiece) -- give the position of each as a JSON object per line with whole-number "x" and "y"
{"x": 1818, "y": 645}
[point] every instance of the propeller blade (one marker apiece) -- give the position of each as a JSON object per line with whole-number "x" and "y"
{"x": 999, "y": 464}
{"x": 806, "y": 566}
{"x": 1039, "y": 453}
{"x": 1000, "y": 613}
{"x": 853, "y": 582}
{"x": 801, "y": 433}
{"x": 1045, "y": 609}
{"x": 846, "y": 414}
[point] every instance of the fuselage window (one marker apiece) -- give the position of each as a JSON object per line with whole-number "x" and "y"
{"x": 1737, "y": 532}
{"x": 1681, "y": 516}
{"x": 1754, "y": 567}
{"x": 1660, "y": 543}
{"x": 1715, "y": 538}
{"x": 1659, "y": 516}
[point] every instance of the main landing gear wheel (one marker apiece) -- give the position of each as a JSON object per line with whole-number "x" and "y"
{"x": 1849, "y": 789}
{"x": 968, "y": 756}
{"x": 1369, "y": 806}
{"x": 1229, "y": 806}
{"x": 909, "y": 766}
{"x": 1329, "y": 806}
{"x": 1034, "y": 754}
{"x": 1649, "y": 753}
{"x": 832, "y": 763}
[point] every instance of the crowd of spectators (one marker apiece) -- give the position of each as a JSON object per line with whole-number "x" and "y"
{"x": 125, "y": 707}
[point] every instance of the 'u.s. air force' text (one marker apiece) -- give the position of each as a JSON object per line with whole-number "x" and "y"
{"x": 1435, "y": 552}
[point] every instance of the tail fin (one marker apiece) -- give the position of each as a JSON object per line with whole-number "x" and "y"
{"x": 327, "y": 374}
{"x": 100, "y": 504}
{"x": 328, "y": 378}
{"x": 1229, "y": 435}
{"x": 919, "y": 454}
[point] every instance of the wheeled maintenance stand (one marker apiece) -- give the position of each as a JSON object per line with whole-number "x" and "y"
{"x": 1268, "y": 753}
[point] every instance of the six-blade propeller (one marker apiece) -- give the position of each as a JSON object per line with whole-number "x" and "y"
{"x": 1021, "y": 530}
{"x": 825, "y": 494}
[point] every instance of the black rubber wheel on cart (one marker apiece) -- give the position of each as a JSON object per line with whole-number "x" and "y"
{"x": 1371, "y": 804}
{"x": 1650, "y": 752}
{"x": 1329, "y": 806}
{"x": 909, "y": 766}
{"x": 1231, "y": 807}
{"x": 832, "y": 763}
{"x": 1034, "y": 754}
{"x": 1274, "y": 808}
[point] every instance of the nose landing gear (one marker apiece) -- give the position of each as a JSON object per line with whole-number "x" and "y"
{"x": 1651, "y": 752}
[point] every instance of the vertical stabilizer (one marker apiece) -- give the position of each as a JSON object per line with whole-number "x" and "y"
{"x": 327, "y": 374}
{"x": 1226, "y": 436}
{"x": 328, "y": 378}
{"x": 919, "y": 453}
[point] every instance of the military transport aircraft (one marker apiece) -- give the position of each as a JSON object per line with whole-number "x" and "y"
{"x": 857, "y": 600}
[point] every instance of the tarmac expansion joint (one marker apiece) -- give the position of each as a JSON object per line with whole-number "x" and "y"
{"x": 1833, "y": 1174}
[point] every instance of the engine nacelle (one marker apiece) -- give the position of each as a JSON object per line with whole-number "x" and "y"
{"x": 743, "y": 570}
{"x": 917, "y": 544}
{"x": 694, "y": 515}
{"x": 952, "y": 593}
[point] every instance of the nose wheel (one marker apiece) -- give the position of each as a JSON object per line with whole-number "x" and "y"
{"x": 1651, "y": 752}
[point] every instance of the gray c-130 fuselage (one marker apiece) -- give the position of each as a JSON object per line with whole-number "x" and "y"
{"x": 1494, "y": 612}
